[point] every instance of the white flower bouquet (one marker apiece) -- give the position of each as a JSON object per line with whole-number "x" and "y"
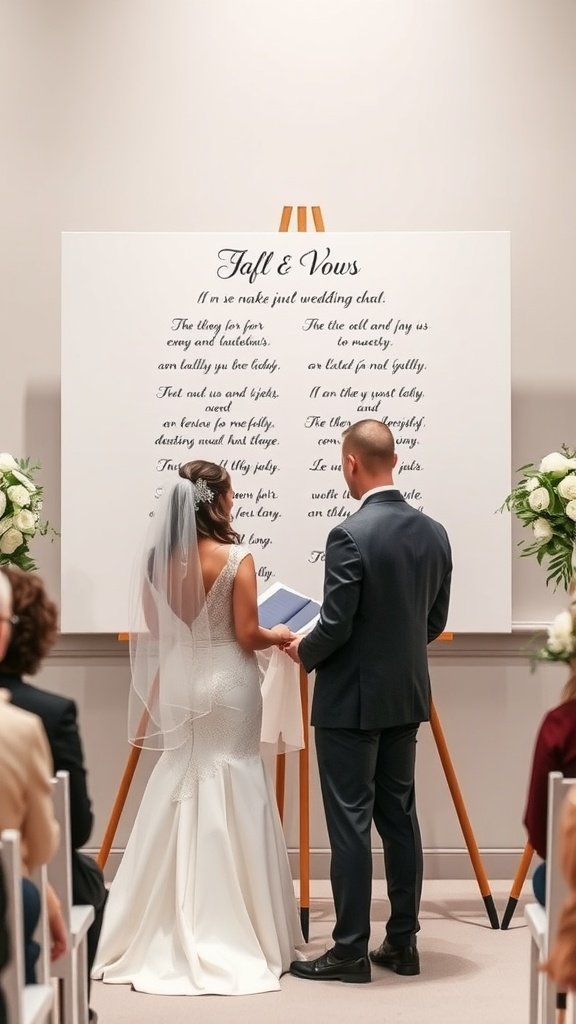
{"x": 561, "y": 642}
{"x": 20, "y": 508}
{"x": 561, "y": 638}
{"x": 545, "y": 500}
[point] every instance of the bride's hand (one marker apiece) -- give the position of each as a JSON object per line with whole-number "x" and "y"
{"x": 283, "y": 635}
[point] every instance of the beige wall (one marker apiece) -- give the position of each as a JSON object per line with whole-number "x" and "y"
{"x": 189, "y": 115}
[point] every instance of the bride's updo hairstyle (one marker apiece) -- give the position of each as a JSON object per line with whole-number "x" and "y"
{"x": 211, "y": 516}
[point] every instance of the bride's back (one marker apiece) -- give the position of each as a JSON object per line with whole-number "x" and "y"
{"x": 213, "y": 557}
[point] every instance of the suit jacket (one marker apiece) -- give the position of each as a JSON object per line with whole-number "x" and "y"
{"x": 386, "y": 595}
{"x": 59, "y": 719}
{"x": 25, "y": 788}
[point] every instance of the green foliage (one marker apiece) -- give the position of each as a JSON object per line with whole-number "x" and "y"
{"x": 545, "y": 501}
{"x": 20, "y": 511}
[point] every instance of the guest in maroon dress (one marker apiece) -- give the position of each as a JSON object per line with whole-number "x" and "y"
{"x": 555, "y": 751}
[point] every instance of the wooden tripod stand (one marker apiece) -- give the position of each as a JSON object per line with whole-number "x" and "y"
{"x": 132, "y": 761}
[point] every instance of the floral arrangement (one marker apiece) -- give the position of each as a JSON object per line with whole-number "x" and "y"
{"x": 561, "y": 640}
{"x": 545, "y": 500}
{"x": 20, "y": 508}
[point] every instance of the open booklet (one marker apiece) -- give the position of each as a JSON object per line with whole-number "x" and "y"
{"x": 281, "y": 604}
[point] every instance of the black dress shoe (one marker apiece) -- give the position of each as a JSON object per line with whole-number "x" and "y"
{"x": 401, "y": 959}
{"x": 329, "y": 968}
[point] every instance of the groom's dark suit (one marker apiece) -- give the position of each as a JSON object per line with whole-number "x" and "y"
{"x": 386, "y": 595}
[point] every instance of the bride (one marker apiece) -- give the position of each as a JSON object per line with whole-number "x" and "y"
{"x": 203, "y": 901}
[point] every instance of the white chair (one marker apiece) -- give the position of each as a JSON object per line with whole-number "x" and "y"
{"x": 72, "y": 968}
{"x": 26, "y": 1004}
{"x": 543, "y": 921}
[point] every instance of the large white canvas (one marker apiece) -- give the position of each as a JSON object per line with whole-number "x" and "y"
{"x": 419, "y": 337}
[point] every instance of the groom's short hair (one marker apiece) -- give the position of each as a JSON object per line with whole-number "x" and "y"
{"x": 372, "y": 441}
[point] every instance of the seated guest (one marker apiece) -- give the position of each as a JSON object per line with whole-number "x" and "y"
{"x": 26, "y": 801}
{"x": 26, "y": 805}
{"x": 32, "y": 637}
{"x": 555, "y": 749}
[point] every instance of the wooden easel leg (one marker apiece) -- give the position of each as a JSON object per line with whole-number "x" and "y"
{"x": 463, "y": 818}
{"x": 123, "y": 790}
{"x": 317, "y": 218}
{"x": 285, "y": 218}
{"x": 304, "y": 763}
{"x": 126, "y": 780}
{"x": 304, "y": 790}
{"x": 517, "y": 884}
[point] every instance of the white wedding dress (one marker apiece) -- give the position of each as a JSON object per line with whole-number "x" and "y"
{"x": 203, "y": 901}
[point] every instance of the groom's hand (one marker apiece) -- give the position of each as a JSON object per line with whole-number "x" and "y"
{"x": 283, "y": 636}
{"x": 292, "y": 650}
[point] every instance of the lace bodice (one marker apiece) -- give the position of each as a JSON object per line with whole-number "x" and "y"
{"x": 219, "y": 597}
{"x": 231, "y": 731}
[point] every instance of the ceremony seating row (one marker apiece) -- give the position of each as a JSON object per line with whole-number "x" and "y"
{"x": 72, "y": 968}
{"x": 25, "y": 1004}
{"x": 543, "y": 921}
{"x": 67, "y": 976}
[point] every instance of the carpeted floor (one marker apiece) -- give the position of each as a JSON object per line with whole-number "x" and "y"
{"x": 471, "y": 974}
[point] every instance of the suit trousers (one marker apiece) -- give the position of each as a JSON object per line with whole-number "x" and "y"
{"x": 368, "y": 776}
{"x": 31, "y": 914}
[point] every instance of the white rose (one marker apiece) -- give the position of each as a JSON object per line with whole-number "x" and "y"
{"x": 7, "y": 462}
{"x": 24, "y": 480}
{"x": 2, "y": 503}
{"x": 19, "y": 495}
{"x": 11, "y": 540}
{"x": 571, "y": 510}
{"x": 555, "y": 463}
{"x": 567, "y": 487}
{"x": 542, "y": 530}
{"x": 538, "y": 500}
{"x": 25, "y": 521}
{"x": 532, "y": 483}
{"x": 5, "y": 524}
{"x": 560, "y": 635}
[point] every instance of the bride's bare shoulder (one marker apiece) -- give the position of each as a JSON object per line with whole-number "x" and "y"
{"x": 207, "y": 546}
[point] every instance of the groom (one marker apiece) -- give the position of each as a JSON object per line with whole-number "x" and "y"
{"x": 386, "y": 594}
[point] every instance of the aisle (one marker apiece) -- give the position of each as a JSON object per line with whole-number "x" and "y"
{"x": 470, "y": 974}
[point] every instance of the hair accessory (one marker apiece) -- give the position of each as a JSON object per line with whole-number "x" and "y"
{"x": 202, "y": 493}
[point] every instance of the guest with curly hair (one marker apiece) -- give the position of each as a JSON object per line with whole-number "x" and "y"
{"x": 33, "y": 635}
{"x": 26, "y": 803}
